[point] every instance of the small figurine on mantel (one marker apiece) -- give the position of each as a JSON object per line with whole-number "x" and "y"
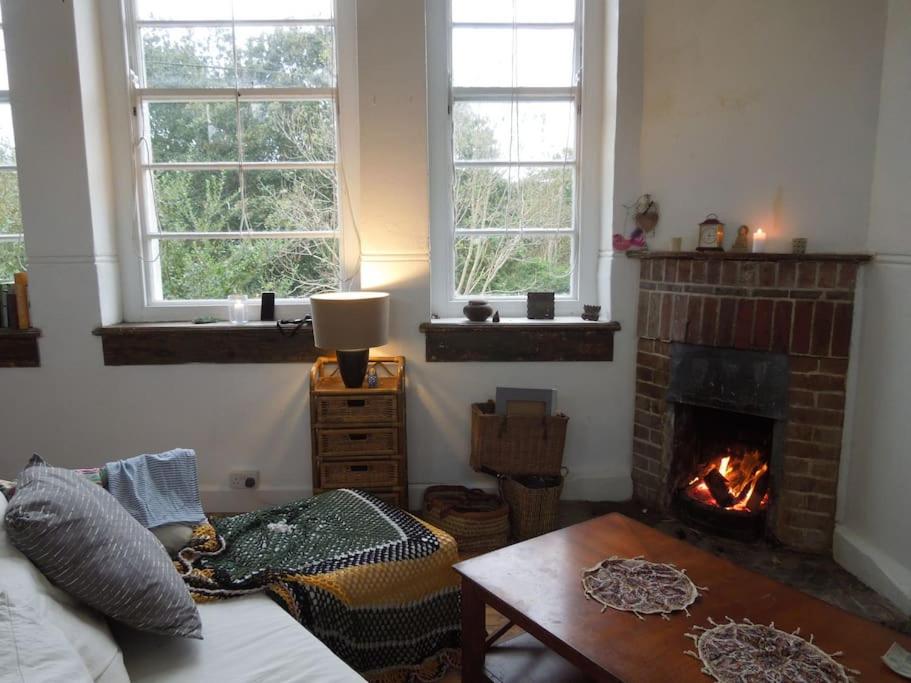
{"x": 645, "y": 211}
{"x": 742, "y": 242}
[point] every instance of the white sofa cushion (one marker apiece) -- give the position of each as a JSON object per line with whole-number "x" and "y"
{"x": 84, "y": 628}
{"x": 34, "y": 650}
{"x": 247, "y": 639}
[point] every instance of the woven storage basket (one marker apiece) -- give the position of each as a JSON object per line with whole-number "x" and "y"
{"x": 478, "y": 521}
{"x": 516, "y": 444}
{"x": 533, "y": 504}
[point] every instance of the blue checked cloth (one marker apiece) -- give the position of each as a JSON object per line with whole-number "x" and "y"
{"x": 158, "y": 489}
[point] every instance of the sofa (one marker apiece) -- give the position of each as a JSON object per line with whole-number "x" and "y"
{"x": 45, "y": 635}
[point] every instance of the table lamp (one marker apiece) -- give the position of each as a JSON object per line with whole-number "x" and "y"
{"x": 350, "y": 323}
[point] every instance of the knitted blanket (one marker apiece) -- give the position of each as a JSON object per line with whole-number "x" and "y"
{"x": 372, "y": 582}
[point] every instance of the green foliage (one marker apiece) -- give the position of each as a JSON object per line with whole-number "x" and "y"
{"x": 278, "y": 131}
{"x": 12, "y": 254}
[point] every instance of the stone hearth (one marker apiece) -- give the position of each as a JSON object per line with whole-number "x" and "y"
{"x": 800, "y": 306}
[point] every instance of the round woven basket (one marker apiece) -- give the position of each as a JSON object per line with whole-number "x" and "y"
{"x": 477, "y": 520}
{"x": 534, "y": 503}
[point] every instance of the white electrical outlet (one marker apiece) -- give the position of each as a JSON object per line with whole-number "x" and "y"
{"x": 244, "y": 479}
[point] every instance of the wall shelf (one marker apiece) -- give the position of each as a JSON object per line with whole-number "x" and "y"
{"x": 180, "y": 343}
{"x": 19, "y": 348}
{"x": 456, "y": 340}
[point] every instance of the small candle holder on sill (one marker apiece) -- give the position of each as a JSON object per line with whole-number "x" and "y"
{"x": 759, "y": 241}
{"x": 237, "y": 309}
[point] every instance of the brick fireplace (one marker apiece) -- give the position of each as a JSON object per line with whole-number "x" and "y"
{"x": 790, "y": 312}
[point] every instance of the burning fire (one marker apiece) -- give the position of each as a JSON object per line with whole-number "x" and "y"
{"x": 733, "y": 482}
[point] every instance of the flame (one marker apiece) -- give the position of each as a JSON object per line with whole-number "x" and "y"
{"x": 741, "y": 473}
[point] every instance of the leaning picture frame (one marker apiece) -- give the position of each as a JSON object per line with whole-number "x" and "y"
{"x": 517, "y": 400}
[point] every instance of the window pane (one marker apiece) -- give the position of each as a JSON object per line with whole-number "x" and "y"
{"x": 187, "y": 10}
{"x": 513, "y": 197}
{"x": 291, "y": 200}
{"x": 197, "y": 201}
{"x": 10, "y": 216}
{"x": 193, "y": 131}
{"x": 300, "y": 56}
{"x": 213, "y": 269}
{"x": 510, "y": 265}
{"x": 514, "y": 131}
{"x": 188, "y": 57}
{"x": 12, "y": 259}
{"x": 486, "y": 56}
{"x": 543, "y": 11}
{"x": 7, "y": 141}
{"x": 283, "y": 9}
{"x": 289, "y": 131}
{"x": 4, "y": 75}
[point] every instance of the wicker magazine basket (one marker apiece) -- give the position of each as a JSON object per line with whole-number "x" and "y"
{"x": 516, "y": 444}
{"x": 477, "y": 520}
{"x": 534, "y": 503}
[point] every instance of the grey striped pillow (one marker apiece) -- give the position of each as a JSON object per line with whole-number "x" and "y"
{"x": 84, "y": 541}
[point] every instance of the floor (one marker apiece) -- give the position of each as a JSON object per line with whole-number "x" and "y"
{"x": 817, "y": 575}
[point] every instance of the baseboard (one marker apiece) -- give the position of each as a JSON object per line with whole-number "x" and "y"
{"x": 575, "y": 488}
{"x": 237, "y": 500}
{"x": 876, "y": 569}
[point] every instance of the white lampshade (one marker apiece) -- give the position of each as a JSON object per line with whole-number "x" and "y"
{"x": 350, "y": 320}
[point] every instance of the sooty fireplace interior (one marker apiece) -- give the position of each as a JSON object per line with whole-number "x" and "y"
{"x": 730, "y": 409}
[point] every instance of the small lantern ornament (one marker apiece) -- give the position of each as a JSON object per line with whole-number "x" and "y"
{"x": 711, "y": 234}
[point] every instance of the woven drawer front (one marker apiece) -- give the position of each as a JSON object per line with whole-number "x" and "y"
{"x": 361, "y": 473}
{"x": 341, "y": 442}
{"x": 364, "y": 409}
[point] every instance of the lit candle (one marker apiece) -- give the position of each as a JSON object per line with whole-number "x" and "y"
{"x": 237, "y": 310}
{"x": 758, "y": 241}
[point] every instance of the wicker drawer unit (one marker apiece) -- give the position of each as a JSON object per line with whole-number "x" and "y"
{"x": 360, "y": 474}
{"x": 358, "y": 435}
{"x": 346, "y": 442}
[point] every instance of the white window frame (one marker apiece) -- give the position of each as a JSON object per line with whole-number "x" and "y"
{"x": 142, "y": 300}
{"x": 10, "y": 168}
{"x": 586, "y": 209}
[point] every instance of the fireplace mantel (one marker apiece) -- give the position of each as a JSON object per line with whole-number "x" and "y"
{"x": 747, "y": 256}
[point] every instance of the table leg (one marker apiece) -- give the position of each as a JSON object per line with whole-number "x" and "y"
{"x": 474, "y": 634}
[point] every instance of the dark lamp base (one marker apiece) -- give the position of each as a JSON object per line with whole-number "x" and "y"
{"x": 353, "y": 366}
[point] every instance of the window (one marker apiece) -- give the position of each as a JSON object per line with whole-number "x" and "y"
{"x": 505, "y": 141}
{"x": 236, "y": 132}
{"x": 12, "y": 249}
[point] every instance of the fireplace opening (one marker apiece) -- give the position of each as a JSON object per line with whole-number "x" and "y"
{"x": 721, "y": 475}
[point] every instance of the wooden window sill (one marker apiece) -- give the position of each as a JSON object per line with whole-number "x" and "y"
{"x": 455, "y": 340}
{"x": 180, "y": 343}
{"x": 19, "y": 348}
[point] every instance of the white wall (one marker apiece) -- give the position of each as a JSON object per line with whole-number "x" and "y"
{"x": 75, "y": 411}
{"x": 764, "y": 112}
{"x": 874, "y": 536}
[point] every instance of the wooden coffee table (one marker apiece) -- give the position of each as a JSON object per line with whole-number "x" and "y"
{"x": 537, "y": 586}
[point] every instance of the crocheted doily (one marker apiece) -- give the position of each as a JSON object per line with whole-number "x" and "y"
{"x": 639, "y": 586}
{"x": 737, "y": 652}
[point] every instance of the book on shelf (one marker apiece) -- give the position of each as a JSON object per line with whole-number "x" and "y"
{"x": 3, "y": 320}
{"x": 22, "y": 312}
{"x": 12, "y": 310}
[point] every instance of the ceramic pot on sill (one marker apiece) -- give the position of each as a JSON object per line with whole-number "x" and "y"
{"x": 477, "y": 310}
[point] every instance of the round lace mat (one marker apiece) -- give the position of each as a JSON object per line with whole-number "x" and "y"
{"x": 738, "y": 652}
{"x": 639, "y": 586}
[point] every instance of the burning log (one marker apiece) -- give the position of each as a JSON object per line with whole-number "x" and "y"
{"x": 759, "y": 490}
{"x": 718, "y": 487}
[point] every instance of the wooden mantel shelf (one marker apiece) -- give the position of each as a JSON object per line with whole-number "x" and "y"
{"x": 567, "y": 339}
{"x": 748, "y": 256}
{"x": 178, "y": 343}
{"x": 19, "y": 348}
